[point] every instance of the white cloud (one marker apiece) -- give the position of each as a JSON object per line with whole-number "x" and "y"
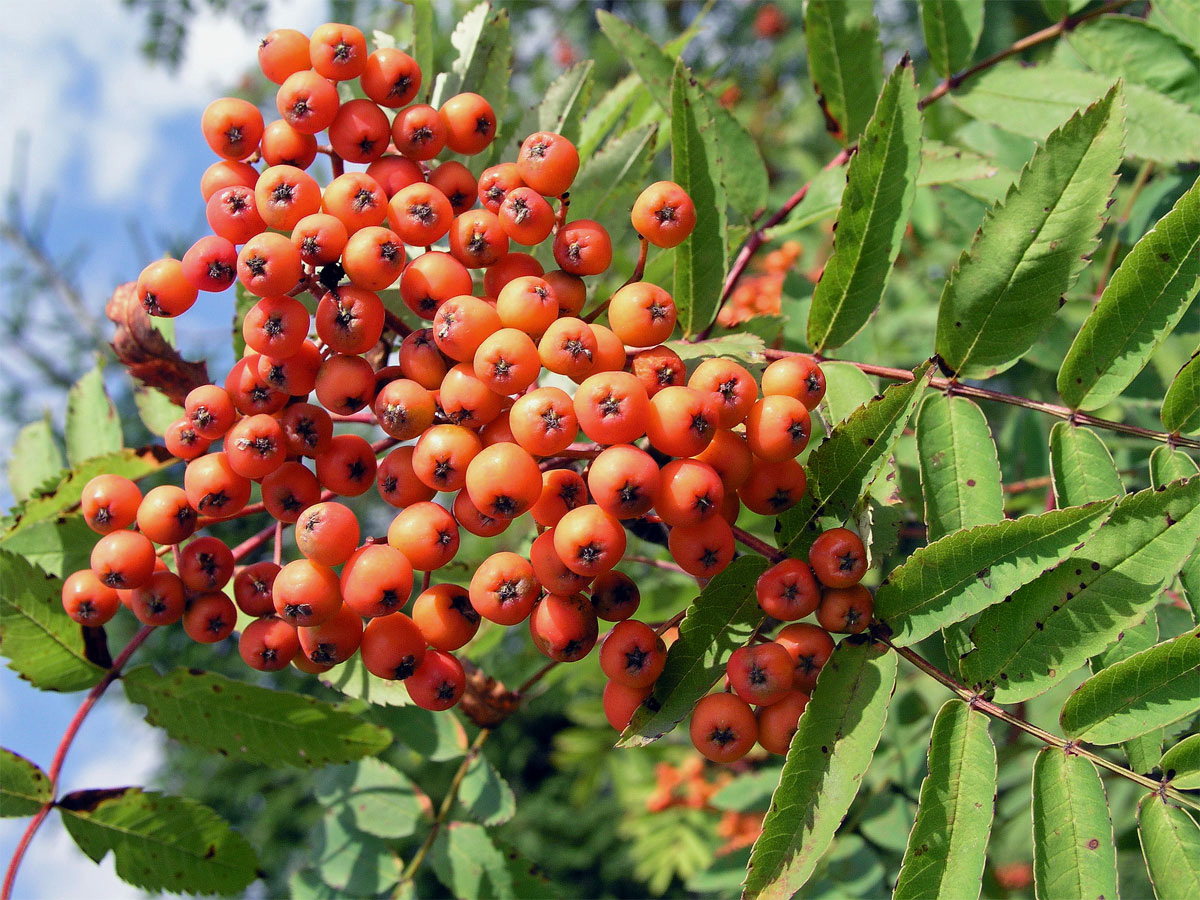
{"x": 87, "y": 98}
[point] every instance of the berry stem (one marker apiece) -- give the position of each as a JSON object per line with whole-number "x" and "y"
{"x": 759, "y": 236}
{"x": 638, "y": 271}
{"x": 951, "y": 386}
{"x": 443, "y": 811}
{"x": 1072, "y": 747}
{"x": 60, "y": 754}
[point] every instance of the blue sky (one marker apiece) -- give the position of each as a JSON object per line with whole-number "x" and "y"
{"x": 114, "y": 142}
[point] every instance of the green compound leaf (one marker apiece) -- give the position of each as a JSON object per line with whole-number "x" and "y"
{"x": 880, "y": 184}
{"x": 948, "y": 843}
{"x": 251, "y": 723}
{"x": 485, "y": 795}
{"x": 1149, "y": 690}
{"x": 1034, "y": 100}
{"x": 1081, "y": 468}
{"x": 960, "y": 472}
{"x": 42, "y": 644}
{"x": 160, "y": 843}
{"x": 604, "y": 176}
{"x": 1141, "y": 53}
{"x": 562, "y": 106}
{"x": 1181, "y": 18}
{"x": 483, "y": 40}
{"x": 93, "y": 426}
{"x": 719, "y": 621}
{"x": 467, "y": 862}
{"x": 1181, "y": 403}
{"x": 1143, "y": 751}
{"x": 1053, "y": 624}
{"x": 1181, "y": 764}
{"x": 59, "y": 546}
{"x": 947, "y": 164}
{"x": 700, "y": 259}
{"x": 35, "y": 459}
{"x": 1006, "y": 288}
{"x": 353, "y": 680}
{"x": 738, "y": 164}
{"x": 24, "y": 788}
{"x": 1171, "y": 846}
{"x": 61, "y": 495}
{"x": 351, "y": 862}
{"x": 376, "y": 798}
{"x": 845, "y": 62}
{"x": 1073, "y": 851}
{"x": 1144, "y": 300}
{"x": 604, "y": 114}
{"x": 844, "y": 464}
{"x": 1169, "y": 464}
{"x": 952, "y": 29}
{"x": 833, "y": 745}
{"x": 967, "y": 571}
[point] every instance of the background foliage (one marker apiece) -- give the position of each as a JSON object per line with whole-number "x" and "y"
{"x": 547, "y": 791}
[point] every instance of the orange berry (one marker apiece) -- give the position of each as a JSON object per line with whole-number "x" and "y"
{"x": 504, "y": 588}
{"x": 642, "y": 314}
{"x": 735, "y": 388}
{"x": 210, "y": 618}
{"x": 425, "y": 533}
{"x": 795, "y": 376}
{"x": 339, "y": 52}
{"x": 398, "y": 483}
{"x": 589, "y": 540}
{"x": 442, "y": 454}
{"x": 283, "y": 145}
{"x": 846, "y": 610}
{"x": 461, "y": 324}
{"x": 773, "y": 488}
{"x": 664, "y": 214}
{"x": 777, "y": 722}
{"x": 374, "y": 258}
{"x": 307, "y": 102}
{"x": 445, "y": 616}
{"x": 658, "y": 368}
{"x": 457, "y": 183}
{"x": 470, "y": 123}
{"x": 809, "y": 647}
{"x": 268, "y": 644}
{"x": 333, "y": 641}
{"x": 549, "y": 569}
{"x": 391, "y": 77}
{"x": 252, "y": 588}
{"x": 681, "y": 421}
{"x": 164, "y": 290}
{"x": 419, "y": 132}
{"x": 306, "y": 593}
{"x": 624, "y": 481}
{"x": 702, "y": 550}
{"x": 615, "y": 596}
{"x": 723, "y": 727}
{"x": 760, "y": 673}
{"x": 621, "y": 702}
{"x": 569, "y": 348}
{"x": 283, "y": 52}
{"x": 327, "y": 533}
{"x": 563, "y": 628}
{"x": 87, "y": 599}
{"x": 507, "y": 362}
{"x": 838, "y": 558}
{"x": 526, "y": 217}
{"x": 562, "y": 491}
{"x": 543, "y": 421}
{"x": 392, "y": 646}
{"x": 788, "y": 591}
{"x": 438, "y": 683}
{"x": 232, "y": 127}
{"x": 503, "y": 481}
{"x": 348, "y": 467}
{"x": 690, "y": 492}
{"x": 583, "y": 247}
{"x": 633, "y": 654}
{"x": 110, "y": 503}
{"x": 356, "y": 200}
{"x": 548, "y": 163}
{"x": 612, "y": 407}
{"x": 269, "y": 264}
{"x": 360, "y": 131}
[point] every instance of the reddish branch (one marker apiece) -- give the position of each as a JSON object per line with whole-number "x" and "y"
{"x": 60, "y": 754}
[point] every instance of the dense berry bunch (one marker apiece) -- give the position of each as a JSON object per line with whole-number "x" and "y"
{"x": 506, "y": 403}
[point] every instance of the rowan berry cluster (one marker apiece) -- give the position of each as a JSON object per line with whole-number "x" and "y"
{"x": 473, "y": 407}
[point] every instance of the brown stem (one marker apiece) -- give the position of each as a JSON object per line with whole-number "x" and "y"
{"x": 758, "y": 545}
{"x": 338, "y": 164}
{"x": 758, "y": 237}
{"x": 1073, "y": 747}
{"x": 64, "y": 745}
{"x": 1038, "y": 37}
{"x": 1114, "y": 243}
{"x": 443, "y": 812}
{"x": 1052, "y": 409}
